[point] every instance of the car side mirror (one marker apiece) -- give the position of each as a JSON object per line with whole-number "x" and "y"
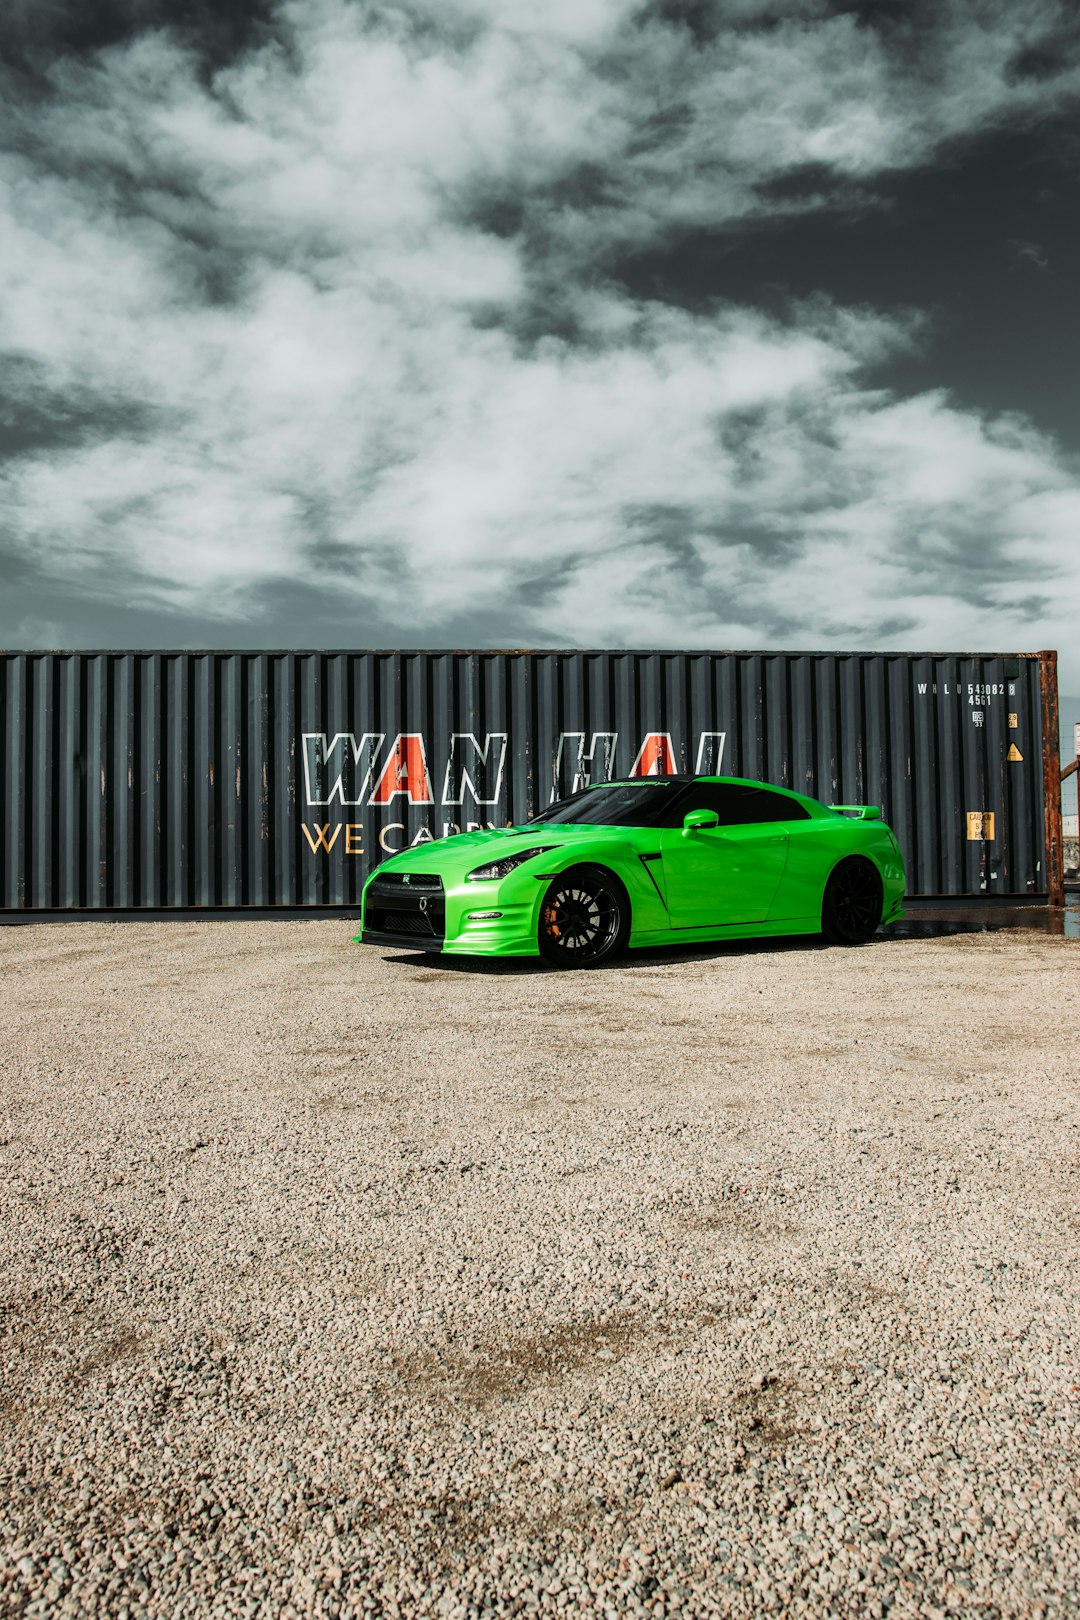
{"x": 700, "y": 820}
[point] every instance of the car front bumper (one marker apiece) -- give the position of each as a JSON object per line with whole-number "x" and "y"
{"x": 462, "y": 923}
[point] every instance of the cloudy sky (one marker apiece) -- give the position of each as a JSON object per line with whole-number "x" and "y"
{"x": 585, "y": 322}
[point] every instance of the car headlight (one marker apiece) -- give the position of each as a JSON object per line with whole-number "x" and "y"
{"x": 500, "y": 869}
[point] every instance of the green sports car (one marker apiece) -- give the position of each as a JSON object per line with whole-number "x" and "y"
{"x": 652, "y": 861}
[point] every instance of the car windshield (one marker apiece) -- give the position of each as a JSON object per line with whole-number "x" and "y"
{"x": 615, "y": 804}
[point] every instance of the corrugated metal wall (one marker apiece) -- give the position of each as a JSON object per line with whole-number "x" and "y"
{"x": 157, "y": 779}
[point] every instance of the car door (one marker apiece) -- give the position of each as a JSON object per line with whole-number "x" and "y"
{"x": 717, "y": 877}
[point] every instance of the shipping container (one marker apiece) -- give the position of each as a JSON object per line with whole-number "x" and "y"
{"x": 279, "y": 779}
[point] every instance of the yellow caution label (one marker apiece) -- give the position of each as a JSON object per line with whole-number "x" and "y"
{"x": 1014, "y": 754}
{"x": 980, "y": 826}
{"x": 1014, "y": 721}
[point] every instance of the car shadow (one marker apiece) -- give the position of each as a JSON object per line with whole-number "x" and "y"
{"x": 648, "y": 956}
{"x": 920, "y": 922}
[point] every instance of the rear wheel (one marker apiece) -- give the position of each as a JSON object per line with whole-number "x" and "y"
{"x": 851, "y": 911}
{"x": 584, "y": 918}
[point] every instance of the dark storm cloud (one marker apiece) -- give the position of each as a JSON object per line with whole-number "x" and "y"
{"x": 35, "y": 417}
{"x": 34, "y": 33}
{"x": 1049, "y": 55}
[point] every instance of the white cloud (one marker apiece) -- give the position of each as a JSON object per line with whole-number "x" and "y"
{"x": 282, "y": 289}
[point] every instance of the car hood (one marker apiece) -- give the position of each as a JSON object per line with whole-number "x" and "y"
{"x": 463, "y": 851}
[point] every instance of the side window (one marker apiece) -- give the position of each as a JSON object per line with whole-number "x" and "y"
{"x": 760, "y": 805}
{"x": 736, "y": 806}
{"x": 718, "y": 796}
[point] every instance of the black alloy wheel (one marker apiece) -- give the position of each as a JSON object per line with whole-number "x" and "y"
{"x": 851, "y": 911}
{"x": 584, "y": 918}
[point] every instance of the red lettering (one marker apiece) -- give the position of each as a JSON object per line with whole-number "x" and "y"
{"x": 657, "y": 756}
{"x": 405, "y": 772}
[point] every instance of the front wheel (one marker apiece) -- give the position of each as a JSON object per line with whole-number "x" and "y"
{"x": 584, "y": 918}
{"x": 851, "y": 910}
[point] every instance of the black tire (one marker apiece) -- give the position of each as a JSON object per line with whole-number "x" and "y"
{"x": 851, "y": 909}
{"x": 584, "y": 918}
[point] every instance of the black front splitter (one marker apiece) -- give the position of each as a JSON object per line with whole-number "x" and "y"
{"x": 400, "y": 942}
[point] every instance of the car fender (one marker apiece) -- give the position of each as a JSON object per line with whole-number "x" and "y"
{"x": 815, "y": 848}
{"x": 626, "y": 862}
{"x": 875, "y": 844}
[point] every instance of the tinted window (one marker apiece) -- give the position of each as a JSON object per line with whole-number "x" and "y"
{"x": 618, "y": 804}
{"x": 736, "y": 806}
{"x": 761, "y": 805}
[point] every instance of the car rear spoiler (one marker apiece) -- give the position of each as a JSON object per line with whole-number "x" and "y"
{"x": 861, "y": 812}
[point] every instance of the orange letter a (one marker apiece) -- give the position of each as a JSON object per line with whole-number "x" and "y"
{"x": 404, "y": 772}
{"x": 657, "y": 756}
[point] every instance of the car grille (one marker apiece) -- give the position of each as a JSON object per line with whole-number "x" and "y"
{"x": 405, "y": 922}
{"x": 392, "y": 882}
{"x": 413, "y": 910}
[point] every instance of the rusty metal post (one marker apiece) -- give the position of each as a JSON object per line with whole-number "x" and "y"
{"x": 1055, "y": 872}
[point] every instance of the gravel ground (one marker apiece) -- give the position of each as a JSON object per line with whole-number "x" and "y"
{"x": 730, "y": 1282}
